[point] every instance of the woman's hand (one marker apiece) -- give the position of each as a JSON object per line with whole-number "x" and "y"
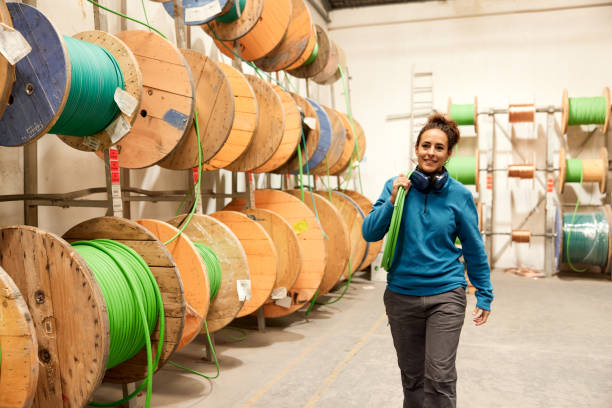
{"x": 401, "y": 180}
{"x": 480, "y": 316}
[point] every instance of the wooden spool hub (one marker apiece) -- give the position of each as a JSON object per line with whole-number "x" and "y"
{"x": 198, "y": 12}
{"x": 311, "y": 240}
{"x": 261, "y": 256}
{"x": 265, "y": 36}
{"x": 56, "y": 283}
{"x": 338, "y": 241}
{"x": 192, "y": 270}
{"x": 18, "y": 345}
{"x": 133, "y": 86}
{"x": 248, "y": 19}
{"x": 7, "y": 71}
{"x": 320, "y": 62}
{"x": 42, "y": 80}
{"x": 330, "y": 68}
{"x": 312, "y": 136}
{"x": 215, "y": 109}
{"x": 325, "y": 137}
{"x": 168, "y": 101}
{"x": 291, "y": 135}
{"x": 565, "y": 110}
{"x": 349, "y": 147}
{"x": 366, "y": 206}
{"x": 310, "y": 46}
{"x": 295, "y": 42}
{"x": 244, "y": 124}
{"x": 361, "y": 143}
{"x": 593, "y": 170}
{"x": 336, "y": 147}
{"x": 155, "y": 254}
{"x": 288, "y": 252}
{"x": 234, "y": 266}
{"x": 270, "y": 128}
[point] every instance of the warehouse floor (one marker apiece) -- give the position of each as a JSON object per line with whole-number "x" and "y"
{"x": 547, "y": 344}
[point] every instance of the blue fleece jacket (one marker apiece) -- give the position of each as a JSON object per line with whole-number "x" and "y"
{"x": 426, "y": 259}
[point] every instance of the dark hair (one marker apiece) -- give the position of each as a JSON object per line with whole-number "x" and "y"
{"x": 445, "y": 124}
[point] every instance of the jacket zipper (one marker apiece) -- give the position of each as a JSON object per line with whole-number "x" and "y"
{"x": 425, "y": 209}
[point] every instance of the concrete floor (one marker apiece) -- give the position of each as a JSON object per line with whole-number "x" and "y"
{"x": 547, "y": 344}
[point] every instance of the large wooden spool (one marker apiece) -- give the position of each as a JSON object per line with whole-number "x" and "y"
{"x": 215, "y": 111}
{"x": 336, "y": 147}
{"x": 321, "y": 60}
{"x": 593, "y": 170}
{"x": 565, "y": 111}
{"x": 168, "y": 101}
{"x": 192, "y": 270}
{"x": 312, "y": 42}
{"x": 450, "y": 102}
{"x": 244, "y": 124}
{"x": 261, "y": 256}
{"x": 311, "y": 240}
{"x": 56, "y": 284}
{"x": 7, "y": 71}
{"x": 270, "y": 128}
{"x": 288, "y": 252}
{"x": 325, "y": 137}
{"x": 337, "y": 236}
{"x": 331, "y": 67}
{"x": 349, "y": 147}
{"x": 18, "y": 345}
{"x": 208, "y": 231}
{"x": 341, "y": 63}
{"x": 366, "y": 206}
{"x": 197, "y": 12}
{"x": 249, "y": 18}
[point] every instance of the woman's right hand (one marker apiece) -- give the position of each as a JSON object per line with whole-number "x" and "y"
{"x": 401, "y": 181}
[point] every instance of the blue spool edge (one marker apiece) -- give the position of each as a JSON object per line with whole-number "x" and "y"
{"x": 46, "y": 68}
{"x": 558, "y": 237}
{"x": 169, "y": 6}
{"x": 365, "y": 254}
{"x": 324, "y": 138}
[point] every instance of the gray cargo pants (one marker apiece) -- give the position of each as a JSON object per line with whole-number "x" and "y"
{"x": 425, "y": 332}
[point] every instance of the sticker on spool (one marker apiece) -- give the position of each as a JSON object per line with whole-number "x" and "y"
{"x": 300, "y": 226}
{"x": 13, "y": 46}
{"x": 284, "y": 302}
{"x": 125, "y": 101}
{"x": 202, "y": 13}
{"x": 311, "y": 122}
{"x": 279, "y": 293}
{"x": 244, "y": 289}
{"x": 118, "y": 129}
{"x": 92, "y": 142}
{"x": 176, "y": 119}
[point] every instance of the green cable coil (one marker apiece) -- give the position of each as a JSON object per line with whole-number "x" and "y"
{"x": 585, "y": 239}
{"x": 313, "y": 56}
{"x": 586, "y": 111}
{"x": 394, "y": 226}
{"x": 573, "y": 172}
{"x": 213, "y": 267}
{"x": 233, "y": 14}
{"x": 462, "y": 169}
{"x": 462, "y": 114}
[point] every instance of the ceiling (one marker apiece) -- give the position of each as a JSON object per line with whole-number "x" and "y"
{"x": 340, "y": 4}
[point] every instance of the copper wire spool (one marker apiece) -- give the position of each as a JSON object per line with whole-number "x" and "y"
{"x": 524, "y": 112}
{"x": 521, "y": 236}
{"x": 524, "y": 171}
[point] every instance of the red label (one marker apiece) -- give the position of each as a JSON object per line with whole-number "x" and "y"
{"x": 195, "y": 174}
{"x": 489, "y": 182}
{"x": 250, "y": 177}
{"x": 114, "y": 165}
{"x": 550, "y": 185}
{"x": 113, "y": 153}
{"x": 115, "y": 177}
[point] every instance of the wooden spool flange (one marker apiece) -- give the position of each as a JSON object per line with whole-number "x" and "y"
{"x": 288, "y": 252}
{"x": 131, "y": 76}
{"x": 325, "y": 138}
{"x": 565, "y": 110}
{"x": 198, "y": 12}
{"x": 349, "y": 147}
{"x": 336, "y": 147}
{"x": 331, "y": 67}
{"x": 155, "y": 254}
{"x": 312, "y": 41}
{"x": 192, "y": 270}
{"x": 340, "y": 62}
{"x": 18, "y": 345}
{"x": 361, "y": 139}
{"x": 261, "y": 256}
{"x": 7, "y": 71}
{"x": 42, "y": 79}
{"x": 215, "y": 108}
{"x": 361, "y": 142}
{"x": 57, "y": 284}
{"x": 338, "y": 241}
{"x": 593, "y": 170}
{"x": 234, "y": 265}
{"x": 320, "y": 62}
{"x": 244, "y": 124}
{"x": 366, "y": 206}
{"x": 234, "y": 30}
{"x": 311, "y": 240}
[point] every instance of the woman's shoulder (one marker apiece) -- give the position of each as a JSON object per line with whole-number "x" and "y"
{"x": 458, "y": 189}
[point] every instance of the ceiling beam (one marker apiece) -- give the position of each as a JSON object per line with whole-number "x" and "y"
{"x": 320, "y": 11}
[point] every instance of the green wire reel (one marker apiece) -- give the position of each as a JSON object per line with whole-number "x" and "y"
{"x": 464, "y": 114}
{"x": 586, "y": 111}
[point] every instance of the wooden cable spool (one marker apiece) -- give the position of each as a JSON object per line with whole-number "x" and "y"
{"x": 450, "y": 102}
{"x": 565, "y": 111}
{"x": 349, "y": 147}
{"x": 521, "y": 113}
{"x": 261, "y": 256}
{"x": 336, "y": 147}
{"x": 331, "y": 67}
{"x": 197, "y": 12}
{"x": 340, "y": 62}
{"x": 593, "y": 170}
{"x": 56, "y": 283}
{"x": 321, "y": 60}
{"x": 18, "y": 345}
{"x": 288, "y": 252}
{"x": 7, "y": 71}
{"x": 338, "y": 241}
{"x": 311, "y": 240}
{"x": 310, "y": 46}
{"x": 244, "y": 124}
{"x": 361, "y": 139}
{"x": 270, "y": 128}
{"x": 523, "y": 171}
{"x": 193, "y": 274}
{"x": 366, "y": 206}
{"x": 155, "y": 254}
{"x": 325, "y": 136}
{"x": 237, "y": 29}
{"x": 215, "y": 106}
{"x": 208, "y": 231}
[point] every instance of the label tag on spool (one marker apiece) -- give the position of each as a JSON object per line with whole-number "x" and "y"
{"x": 202, "y": 13}
{"x": 284, "y": 302}
{"x": 311, "y": 123}
{"x": 279, "y": 293}
{"x": 13, "y": 46}
{"x": 244, "y": 289}
{"x": 118, "y": 129}
{"x": 92, "y": 142}
{"x": 125, "y": 101}
{"x": 300, "y": 226}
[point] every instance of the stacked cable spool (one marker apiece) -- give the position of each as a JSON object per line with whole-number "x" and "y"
{"x": 583, "y": 170}
{"x": 586, "y": 111}
{"x": 464, "y": 114}
{"x": 465, "y": 169}
{"x": 197, "y": 12}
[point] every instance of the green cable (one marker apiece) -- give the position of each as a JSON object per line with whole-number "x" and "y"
{"x": 587, "y": 111}
{"x": 214, "y": 354}
{"x": 349, "y": 111}
{"x": 144, "y": 10}
{"x": 127, "y": 17}
{"x": 232, "y": 14}
{"x": 462, "y": 169}
{"x": 316, "y": 295}
{"x": 394, "y": 226}
{"x": 313, "y": 55}
{"x": 243, "y": 333}
{"x": 573, "y": 172}
{"x": 462, "y": 114}
{"x": 328, "y": 185}
{"x": 94, "y": 76}
{"x": 213, "y": 267}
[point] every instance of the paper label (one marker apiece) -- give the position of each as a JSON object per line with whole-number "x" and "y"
{"x": 12, "y": 44}
{"x": 116, "y": 191}
{"x": 118, "y": 129}
{"x": 202, "y": 13}
{"x": 244, "y": 289}
{"x": 300, "y": 226}
{"x": 125, "y": 101}
{"x": 284, "y": 302}
{"x": 92, "y": 142}
{"x": 311, "y": 122}
{"x": 117, "y": 205}
{"x": 279, "y": 293}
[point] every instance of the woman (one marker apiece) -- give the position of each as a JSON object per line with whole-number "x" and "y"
{"x": 425, "y": 297}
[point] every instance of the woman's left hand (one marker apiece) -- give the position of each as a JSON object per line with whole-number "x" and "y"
{"x": 480, "y": 316}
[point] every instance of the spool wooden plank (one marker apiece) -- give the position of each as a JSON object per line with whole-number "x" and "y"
{"x": 310, "y": 46}
{"x": 288, "y": 252}
{"x": 312, "y": 135}
{"x": 295, "y": 42}
{"x": 57, "y": 284}
{"x": 261, "y": 256}
{"x": 311, "y": 240}
{"x": 321, "y": 60}
{"x": 19, "y": 369}
{"x": 155, "y": 254}
{"x": 192, "y": 271}
{"x": 198, "y": 12}
{"x": 291, "y": 135}
{"x": 331, "y": 67}
{"x": 336, "y": 147}
{"x": 234, "y": 265}
{"x": 168, "y": 101}
{"x": 349, "y": 147}
{"x": 338, "y": 241}
{"x": 265, "y": 36}
{"x": 215, "y": 108}
{"x": 7, "y": 71}
{"x": 366, "y": 206}
{"x": 131, "y": 76}
{"x": 42, "y": 79}
{"x": 361, "y": 146}
{"x": 234, "y": 30}
{"x": 270, "y": 128}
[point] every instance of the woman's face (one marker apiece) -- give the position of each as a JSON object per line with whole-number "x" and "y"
{"x": 432, "y": 150}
